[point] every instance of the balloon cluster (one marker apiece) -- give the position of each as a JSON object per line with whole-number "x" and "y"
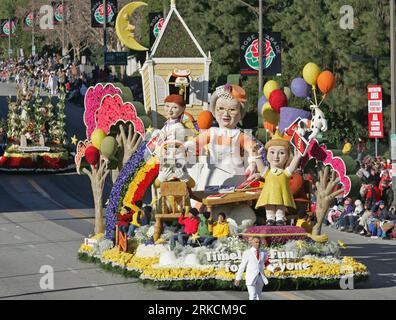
{"x": 271, "y": 103}
{"x": 312, "y": 76}
{"x": 275, "y": 98}
{"x": 102, "y": 144}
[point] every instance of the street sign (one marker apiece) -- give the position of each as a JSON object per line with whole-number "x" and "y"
{"x": 375, "y": 122}
{"x": 116, "y": 58}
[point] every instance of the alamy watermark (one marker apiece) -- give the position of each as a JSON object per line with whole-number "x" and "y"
{"x": 347, "y": 278}
{"x": 346, "y": 21}
{"x": 47, "y": 280}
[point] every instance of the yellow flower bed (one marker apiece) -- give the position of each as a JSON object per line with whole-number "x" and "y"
{"x": 326, "y": 268}
{"x": 141, "y": 264}
{"x": 85, "y": 249}
{"x": 178, "y": 274}
{"x": 117, "y": 257}
{"x": 98, "y": 236}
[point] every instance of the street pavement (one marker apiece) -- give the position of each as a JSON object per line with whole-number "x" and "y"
{"x": 44, "y": 218}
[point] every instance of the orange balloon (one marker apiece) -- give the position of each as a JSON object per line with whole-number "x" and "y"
{"x": 326, "y": 81}
{"x": 205, "y": 120}
{"x": 269, "y": 126}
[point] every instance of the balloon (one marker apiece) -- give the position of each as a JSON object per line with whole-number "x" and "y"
{"x": 269, "y": 126}
{"x": 92, "y": 155}
{"x": 310, "y": 73}
{"x": 326, "y": 81}
{"x": 261, "y": 102}
{"x": 277, "y": 100}
{"x": 287, "y": 92}
{"x": 270, "y": 115}
{"x": 205, "y": 120}
{"x": 300, "y": 88}
{"x": 97, "y": 137}
{"x": 269, "y": 87}
{"x": 108, "y": 147}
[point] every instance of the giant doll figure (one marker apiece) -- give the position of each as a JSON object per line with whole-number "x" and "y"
{"x": 225, "y": 146}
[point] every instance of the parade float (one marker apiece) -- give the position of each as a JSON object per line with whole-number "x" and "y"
{"x": 36, "y": 133}
{"x": 181, "y": 150}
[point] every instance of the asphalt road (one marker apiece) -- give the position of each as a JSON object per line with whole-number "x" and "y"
{"x": 44, "y": 218}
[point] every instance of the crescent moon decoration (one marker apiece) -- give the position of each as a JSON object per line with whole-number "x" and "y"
{"x": 125, "y": 30}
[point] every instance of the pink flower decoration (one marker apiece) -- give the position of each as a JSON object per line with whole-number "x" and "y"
{"x": 113, "y": 110}
{"x": 320, "y": 153}
{"x": 92, "y": 101}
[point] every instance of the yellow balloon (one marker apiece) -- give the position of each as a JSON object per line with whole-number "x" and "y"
{"x": 270, "y": 115}
{"x": 269, "y": 87}
{"x": 311, "y": 73}
{"x": 126, "y": 31}
{"x": 97, "y": 137}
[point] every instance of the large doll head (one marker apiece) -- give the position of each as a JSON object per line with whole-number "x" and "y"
{"x": 174, "y": 106}
{"x": 278, "y": 151}
{"x": 227, "y": 105}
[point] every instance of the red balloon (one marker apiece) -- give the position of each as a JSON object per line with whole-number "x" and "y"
{"x": 277, "y": 100}
{"x": 92, "y": 155}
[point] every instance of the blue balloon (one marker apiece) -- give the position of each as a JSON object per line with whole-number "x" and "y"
{"x": 261, "y": 102}
{"x": 300, "y": 88}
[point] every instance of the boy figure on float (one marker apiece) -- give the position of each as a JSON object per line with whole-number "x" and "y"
{"x": 175, "y": 128}
{"x": 226, "y": 145}
{"x": 276, "y": 196}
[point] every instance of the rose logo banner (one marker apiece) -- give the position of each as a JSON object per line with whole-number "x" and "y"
{"x": 249, "y": 53}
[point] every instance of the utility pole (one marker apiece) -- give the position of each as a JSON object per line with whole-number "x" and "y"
{"x": 261, "y": 65}
{"x": 34, "y": 21}
{"x": 9, "y": 39}
{"x": 393, "y": 95}
{"x": 63, "y": 29}
{"x": 104, "y": 26}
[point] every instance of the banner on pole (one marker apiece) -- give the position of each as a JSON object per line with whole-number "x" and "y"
{"x": 375, "y": 121}
{"x": 6, "y": 28}
{"x": 28, "y": 21}
{"x": 156, "y": 21}
{"x": 97, "y": 13}
{"x": 249, "y": 53}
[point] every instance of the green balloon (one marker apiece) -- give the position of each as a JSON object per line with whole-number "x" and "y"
{"x": 287, "y": 92}
{"x": 108, "y": 147}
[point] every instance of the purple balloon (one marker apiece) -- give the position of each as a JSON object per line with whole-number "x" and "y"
{"x": 300, "y": 88}
{"x": 261, "y": 102}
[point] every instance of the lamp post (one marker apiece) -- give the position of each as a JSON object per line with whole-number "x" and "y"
{"x": 260, "y": 82}
{"x": 393, "y": 94}
{"x": 376, "y": 60}
{"x": 104, "y": 26}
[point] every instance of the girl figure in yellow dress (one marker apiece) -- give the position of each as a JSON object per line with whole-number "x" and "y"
{"x": 276, "y": 196}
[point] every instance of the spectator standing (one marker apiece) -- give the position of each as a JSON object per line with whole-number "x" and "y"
{"x": 347, "y": 148}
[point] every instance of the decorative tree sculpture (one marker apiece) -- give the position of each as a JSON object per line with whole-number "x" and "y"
{"x": 325, "y": 194}
{"x": 97, "y": 174}
{"x": 104, "y": 111}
